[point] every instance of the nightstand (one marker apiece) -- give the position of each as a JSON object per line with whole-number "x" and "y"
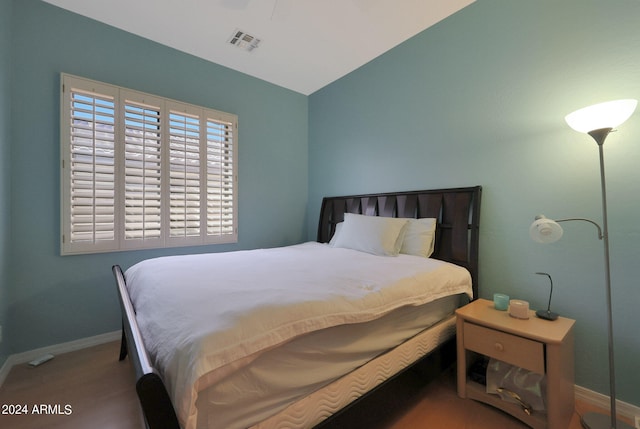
{"x": 541, "y": 346}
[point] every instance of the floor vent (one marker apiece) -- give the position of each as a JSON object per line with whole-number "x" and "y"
{"x": 244, "y": 41}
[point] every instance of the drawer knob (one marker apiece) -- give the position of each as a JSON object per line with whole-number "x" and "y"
{"x": 499, "y": 347}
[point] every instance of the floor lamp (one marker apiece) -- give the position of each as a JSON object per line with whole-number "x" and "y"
{"x": 597, "y": 121}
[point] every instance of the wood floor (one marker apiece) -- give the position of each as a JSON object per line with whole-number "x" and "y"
{"x": 90, "y": 388}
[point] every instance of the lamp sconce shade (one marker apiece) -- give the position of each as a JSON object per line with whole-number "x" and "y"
{"x": 600, "y": 116}
{"x": 544, "y": 230}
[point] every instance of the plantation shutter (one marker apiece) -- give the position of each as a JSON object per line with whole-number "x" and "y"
{"x": 140, "y": 171}
{"x": 184, "y": 174}
{"x": 90, "y": 183}
{"x": 220, "y": 176}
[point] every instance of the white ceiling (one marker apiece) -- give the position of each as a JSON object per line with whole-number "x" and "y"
{"x": 305, "y": 44}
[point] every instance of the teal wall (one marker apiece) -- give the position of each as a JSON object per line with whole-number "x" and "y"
{"x": 480, "y": 99}
{"x": 5, "y": 178}
{"x": 477, "y": 99}
{"x": 53, "y": 299}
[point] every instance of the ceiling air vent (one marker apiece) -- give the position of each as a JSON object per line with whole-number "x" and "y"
{"x": 244, "y": 41}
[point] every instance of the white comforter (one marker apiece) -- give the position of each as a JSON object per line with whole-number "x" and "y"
{"x": 203, "y": 316}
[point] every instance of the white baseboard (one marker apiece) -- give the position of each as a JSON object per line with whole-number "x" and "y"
{"x": 623, "y": 409}
{"x": 83, "y": 343}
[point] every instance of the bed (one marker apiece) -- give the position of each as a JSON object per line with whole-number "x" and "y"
{"x": 369, "y": 302}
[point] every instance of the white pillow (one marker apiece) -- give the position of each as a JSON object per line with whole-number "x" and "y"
{"x": 372, "y": 234}
{"x": 419, "y": 237}
{"x": 335, "y": 233}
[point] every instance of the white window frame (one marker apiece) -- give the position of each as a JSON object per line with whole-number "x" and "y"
{"x": 204, "y": 212}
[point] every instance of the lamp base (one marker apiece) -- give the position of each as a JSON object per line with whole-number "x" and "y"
{"x": 546, "y": 314}
{"x": 601, "y": 421}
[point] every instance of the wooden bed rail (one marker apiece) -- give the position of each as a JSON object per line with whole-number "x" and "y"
{"x": 154, "y": 399}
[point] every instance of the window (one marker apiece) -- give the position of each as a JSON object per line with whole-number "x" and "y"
{"x": 140, "y": 171}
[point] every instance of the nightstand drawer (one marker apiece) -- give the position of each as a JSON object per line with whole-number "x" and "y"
{"x": 508, "y": 348}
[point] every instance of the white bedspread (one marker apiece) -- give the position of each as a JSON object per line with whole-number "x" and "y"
{"x": 203, "y": 316}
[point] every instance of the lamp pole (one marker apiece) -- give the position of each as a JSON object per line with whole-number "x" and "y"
{"x": 607, "y": 272}
{"x": 593, "y": 420}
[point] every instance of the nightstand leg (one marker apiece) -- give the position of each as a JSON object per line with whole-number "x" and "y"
{"x": 462, "y": 360}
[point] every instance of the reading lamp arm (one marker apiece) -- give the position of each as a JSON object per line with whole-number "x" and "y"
{"x": 600, "y": 234}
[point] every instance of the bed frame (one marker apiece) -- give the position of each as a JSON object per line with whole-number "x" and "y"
{"x": 457, "y": 235}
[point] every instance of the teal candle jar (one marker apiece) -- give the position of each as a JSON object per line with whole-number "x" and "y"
{"x": 500, "y": 301}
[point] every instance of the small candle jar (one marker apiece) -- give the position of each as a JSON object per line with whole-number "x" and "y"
{"x": 500, "y": 301}
{"x": 519, "y": 309}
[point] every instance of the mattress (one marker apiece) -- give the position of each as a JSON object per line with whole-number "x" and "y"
{"x": 319, "y": 405}
{"x": 288, "y": 373}
{"x": 205, "y": 317}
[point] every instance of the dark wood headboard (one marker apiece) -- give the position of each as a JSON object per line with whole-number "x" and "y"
{"x": 457, "y": 212}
